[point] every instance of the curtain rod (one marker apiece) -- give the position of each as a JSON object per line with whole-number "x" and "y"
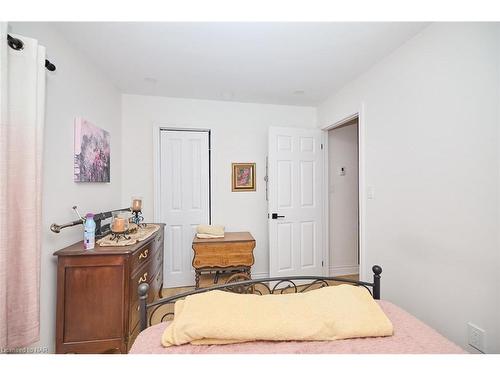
{"x": 18, "y": 45}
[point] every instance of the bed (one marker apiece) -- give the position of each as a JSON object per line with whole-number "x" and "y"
{"x": 411, "y": 336}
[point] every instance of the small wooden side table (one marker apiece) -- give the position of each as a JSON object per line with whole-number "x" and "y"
{"x": 232, "y": 253}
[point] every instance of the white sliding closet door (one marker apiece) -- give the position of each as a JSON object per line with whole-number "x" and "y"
{"x": 184, "y": 199}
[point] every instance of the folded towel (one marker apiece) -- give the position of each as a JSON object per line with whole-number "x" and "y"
{"x": 216, "y": 230}
{"x": 329, "y": 313}
{"x": 203, "y": 235}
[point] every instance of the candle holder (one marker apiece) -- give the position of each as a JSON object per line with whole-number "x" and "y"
{"x": 119, "y": 236}
{"x": 138, "y": 219}
{"x": 120, "y": 226}
{"x": 136, "y": 209}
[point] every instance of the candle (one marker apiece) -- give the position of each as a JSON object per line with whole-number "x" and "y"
{"x": 118, "y": 225}
{"x": 136, "y": 205}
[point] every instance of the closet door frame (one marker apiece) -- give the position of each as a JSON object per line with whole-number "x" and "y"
{"x": 157, "y": 131}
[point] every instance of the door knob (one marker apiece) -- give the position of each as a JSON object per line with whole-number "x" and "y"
{"x": 274, "y": 215}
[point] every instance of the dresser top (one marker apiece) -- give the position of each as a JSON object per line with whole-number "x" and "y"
{"x": 228, "y": 237}
{"x": 77, "y": 249}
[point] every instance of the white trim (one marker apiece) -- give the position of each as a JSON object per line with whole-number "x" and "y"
{"x": 360, "y": 114}
{"x": 260, "y": 275}
{"x": 362, "y": 194}
{"x": 326, "y": 247}
{"x": 326, "y": 204}
{"x": 156, "y": 172}
{"x": 344, "y": 270}
{"x": 157, "y": 128}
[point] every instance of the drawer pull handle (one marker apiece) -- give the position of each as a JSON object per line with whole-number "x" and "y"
{"x": 144, "y": 254}
{"x": 143, "y": 278}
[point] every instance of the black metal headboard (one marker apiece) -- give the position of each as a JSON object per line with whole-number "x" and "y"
{"x": 258, "y": 286}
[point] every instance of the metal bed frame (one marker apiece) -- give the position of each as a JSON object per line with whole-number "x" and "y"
{"x": 281, "y": 284}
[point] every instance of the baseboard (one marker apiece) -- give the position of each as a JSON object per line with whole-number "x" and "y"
{"x": 259, "y": 275}
{"x": 344, "y": 270}
{"x": 334, "y": 271}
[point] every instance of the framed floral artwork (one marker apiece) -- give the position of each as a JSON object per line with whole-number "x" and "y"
{"x": 92, "y": 153}
{"x": 243, "y": 177}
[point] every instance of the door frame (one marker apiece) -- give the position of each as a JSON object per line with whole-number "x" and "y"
{"x": 156, "y": 166}
{"x": 339, "y": 121}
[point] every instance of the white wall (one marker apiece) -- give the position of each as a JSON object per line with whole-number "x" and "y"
{"x": 75, "y": 89}
{"x": 239, "y": 134}
{"x": 343, "y": 199}
{"x": 431, "y": 111}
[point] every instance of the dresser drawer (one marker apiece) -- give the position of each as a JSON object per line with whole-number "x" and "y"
{"x": 223, "y": 260}
{"x": 157, "y": 257}
{"x": 224, "y": 248}
{"x": 156, "y": 283}
{"x": 134, "y": 308}
{"x": 143, "y": 275}
{"x": 158, "y": 241}
{"x": 142, "y": 256}
{"x": 154, "y": 289}
{"x": 148, "y": 252}
{"x": 146, "y": 274}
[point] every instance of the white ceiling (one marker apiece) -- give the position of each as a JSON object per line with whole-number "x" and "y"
{"x": 279, "y": 63}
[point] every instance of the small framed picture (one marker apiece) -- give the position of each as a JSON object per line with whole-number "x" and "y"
{"x": 243, "y": 177}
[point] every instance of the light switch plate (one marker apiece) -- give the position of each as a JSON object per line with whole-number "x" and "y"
{"x": 370, "y": 192}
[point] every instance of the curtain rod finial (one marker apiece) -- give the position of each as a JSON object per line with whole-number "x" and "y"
{"x": 50, "y": 67}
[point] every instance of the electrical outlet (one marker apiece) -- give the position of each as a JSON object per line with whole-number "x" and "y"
{"x": 476, "y": 337}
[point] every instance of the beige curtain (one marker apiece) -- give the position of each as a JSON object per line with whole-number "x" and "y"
{"x": 22, "y": 105}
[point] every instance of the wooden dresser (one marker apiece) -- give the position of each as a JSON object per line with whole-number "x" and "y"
{"x": 97, "y": 300}
{"x": 233, "y": 252}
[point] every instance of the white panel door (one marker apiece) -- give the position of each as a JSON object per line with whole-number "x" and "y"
{"x": 295, "y": 173}
{"x": 184, "y": 199}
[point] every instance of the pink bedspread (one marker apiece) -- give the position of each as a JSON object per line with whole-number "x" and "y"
{"x": 410, "y": 336}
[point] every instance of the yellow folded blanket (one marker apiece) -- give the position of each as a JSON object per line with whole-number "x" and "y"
{"x": 329, "y": 313}
{"x": 216, "y": 230}
{"x": 203, "y": 235}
